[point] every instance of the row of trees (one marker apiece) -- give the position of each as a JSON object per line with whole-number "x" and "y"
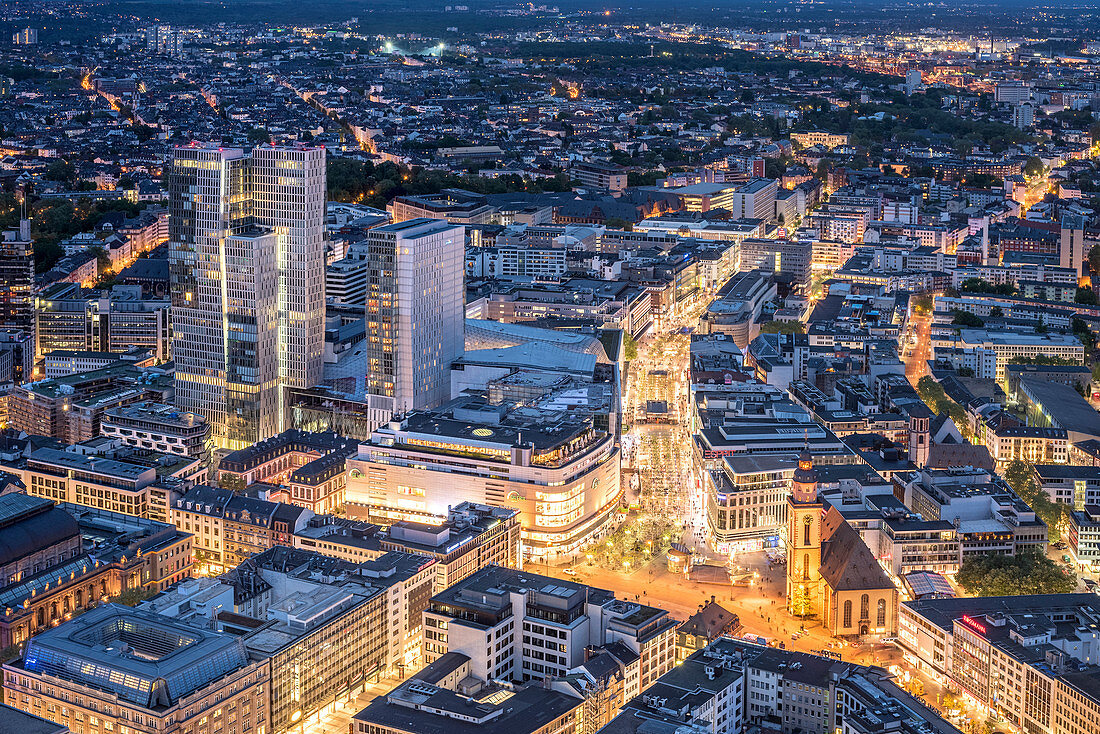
{"x": 1018, "y": 476}
{"x": 376, "y": 184}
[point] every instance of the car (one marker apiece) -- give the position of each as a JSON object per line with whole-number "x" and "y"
{"x": 569, "y": 571}
{"x": 1067, "y": 559}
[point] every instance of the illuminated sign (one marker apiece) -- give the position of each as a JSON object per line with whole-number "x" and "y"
{"x": 973, "y": 623}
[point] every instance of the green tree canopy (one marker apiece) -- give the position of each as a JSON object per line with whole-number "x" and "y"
{"x": 1028, "y": 572}
{"x": 783, "y": 327}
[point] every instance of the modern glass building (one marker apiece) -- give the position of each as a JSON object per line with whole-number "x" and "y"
{"x": 246, "y": 243}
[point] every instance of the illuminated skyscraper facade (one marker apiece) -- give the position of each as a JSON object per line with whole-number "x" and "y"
{"x": 246, "y": 244}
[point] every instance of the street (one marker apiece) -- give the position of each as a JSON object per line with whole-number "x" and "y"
{"x": 917, "y": 355}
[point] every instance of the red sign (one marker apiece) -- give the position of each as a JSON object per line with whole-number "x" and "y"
{"x": 973, "y": 623}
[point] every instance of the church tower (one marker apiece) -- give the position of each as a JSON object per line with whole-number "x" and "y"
{"x": 804, "y": 513}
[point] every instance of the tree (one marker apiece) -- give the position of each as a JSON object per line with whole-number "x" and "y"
{"x": 1094, "y": 258}
{"x": 1034, "y": 167}
{"x": 965, "y": 318}
{"x": 132, "y": 597}
{"x": 922, "y": 304}
{"x": 783, "y": 327}
{"x": 60, "y": 171}
{"x": 630, "y": 347}
{"x": 981, "y": 285}
{"x": 1028, "y": 572}
{"x": 231, "y": 482}
{"x": 1086, "y": 296}
{"x": 1017, "y": 475}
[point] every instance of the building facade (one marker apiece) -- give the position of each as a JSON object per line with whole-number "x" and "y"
{"x": 248, "y": 269}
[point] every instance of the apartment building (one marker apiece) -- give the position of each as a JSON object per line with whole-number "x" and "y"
{"x": 733, "y": 686}
{"x": 599, "y": 175}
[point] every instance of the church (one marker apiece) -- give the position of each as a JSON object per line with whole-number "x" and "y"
{"x": 832, "y": 575}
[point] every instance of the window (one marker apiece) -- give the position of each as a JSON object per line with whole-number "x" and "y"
{"x": 881, "y": 620}
{"x": 848, "y": 613}
{"x": 806, "y": 567}
{"x": 806, "y": 525}
{"x": 865, "y": 607}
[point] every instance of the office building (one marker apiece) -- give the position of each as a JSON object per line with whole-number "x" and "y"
{"x": 64, "y": 362}
{"x": 820, "y": 137}
{"x": 789, "y": 260}
{"x": 562, "y": 477}
{"x": 71, "y": 408}
{"x": 733, "y": 686}
{"x": 129, "y": 481}
{"x": 324, "y": 627}
{"x": 471, "y": 538}
{"x": 346, "y": 279}
{"x": 17, "y": 284}
{"x": 415, "y": 314}
{"x": 302, "y": 468}
{"x": 519, "y": 626}
{"x": 69, "y": 317}
{"x": 118, "y": 669}
{"x": 248, "y": 271}
{"x": 456, "y": 206}
{"x": 159, "y": 427}
{"x": 1031, "y": 659}
{"x": 439, "y": 699}
{"x": 1010, "y": 345}
{"x": 755, "y": 200}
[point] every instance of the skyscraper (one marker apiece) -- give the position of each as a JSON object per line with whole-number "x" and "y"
{"x": 17, "y": 289}
{"x": 415, "y": 314}
{"x": 247, "y": 266}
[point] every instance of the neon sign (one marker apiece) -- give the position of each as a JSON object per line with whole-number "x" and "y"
{"x": 973, "y": 623}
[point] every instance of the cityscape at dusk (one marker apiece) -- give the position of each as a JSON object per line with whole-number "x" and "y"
{"x": 490, "y": 367}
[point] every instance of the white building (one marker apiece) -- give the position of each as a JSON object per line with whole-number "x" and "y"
{"x": 515, "y": 625}
{"x": 562, "y": 477}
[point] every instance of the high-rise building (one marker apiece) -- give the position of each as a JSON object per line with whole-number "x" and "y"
{"x": 25, "y": 37}
{"x": 415, "y": 314}
{"x": 17, "y": 282}
{"x": 247, "y": 265}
